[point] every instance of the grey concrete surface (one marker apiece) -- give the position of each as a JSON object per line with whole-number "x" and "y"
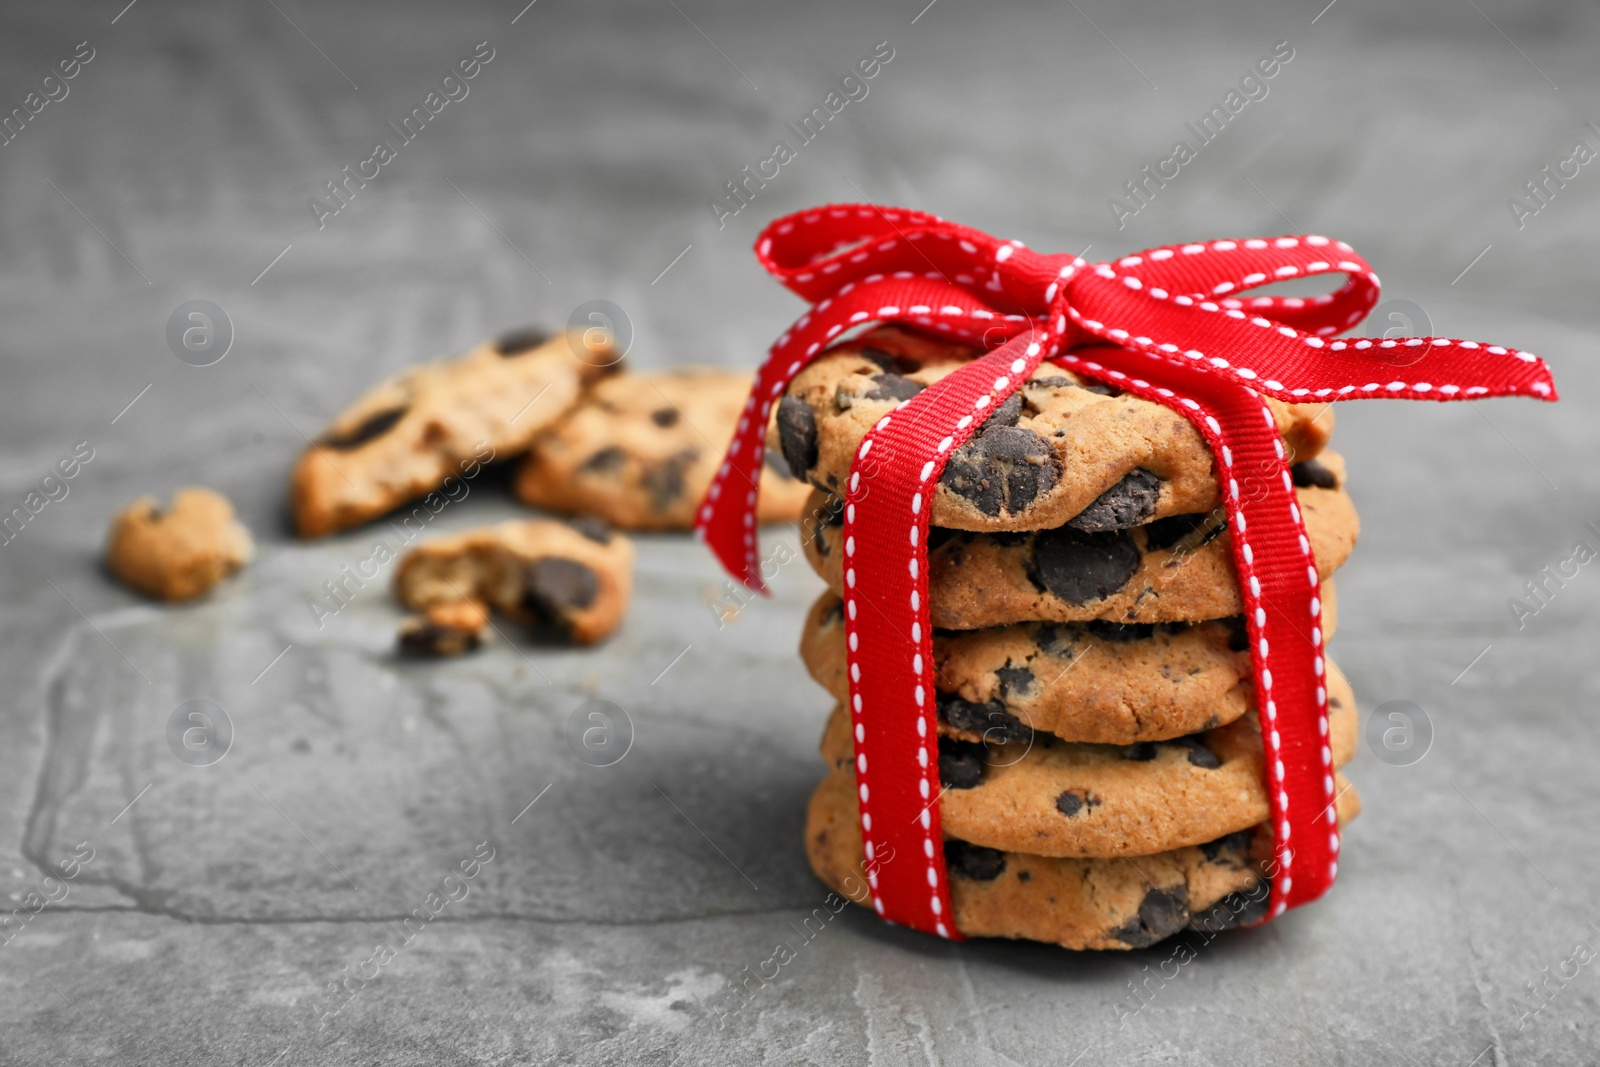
{"x": 619, "y": 912}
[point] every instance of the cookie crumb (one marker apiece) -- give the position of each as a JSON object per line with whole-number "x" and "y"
{"x": 177, "y": 553}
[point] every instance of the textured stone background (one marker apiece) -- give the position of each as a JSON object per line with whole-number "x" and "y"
{"x": 620, "y": 909}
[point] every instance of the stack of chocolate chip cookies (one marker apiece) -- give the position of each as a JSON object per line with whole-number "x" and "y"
{"x": 1099, "y": 747}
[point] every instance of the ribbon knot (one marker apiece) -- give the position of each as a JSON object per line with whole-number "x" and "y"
{"x": 1170, "y": 325}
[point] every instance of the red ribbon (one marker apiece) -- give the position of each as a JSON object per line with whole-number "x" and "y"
{"x": 1167, "y": 325}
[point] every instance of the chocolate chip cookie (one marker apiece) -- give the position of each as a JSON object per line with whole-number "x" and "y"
{"x": 1122, "y": 903}
{"x": 1176, "y": 569}
{"x": 567, "y": 584}
{"x": 405, "y": 437}
{"x": 640, "y": 450}
{"x": 180, "y": 552}
{"x": 1061, "y": 451}
{"x": 1058, "y": 798}
{"x": 1103, "y": 682}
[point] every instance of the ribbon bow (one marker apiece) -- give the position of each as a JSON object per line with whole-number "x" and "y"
{"x": 1168, "y": 325}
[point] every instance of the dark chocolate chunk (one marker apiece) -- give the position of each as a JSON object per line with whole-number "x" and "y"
{"x": 1054, "y": 639}
{"x": 1234, "y": 847}
{"x": 423, "y": 639}
{"x": 1101, "y": 388}
{"x": 664, "y": 482}
{"x": 1164, "y": 533}
{"x": 597, "y": 530}
{"x": 664, "y": 417}
{"x": 1162, "y": 913}
{"x": 1140, "y": 751}
{"x": 371, "y": 428}
{"x": 1233, "y": 910}
{"x": 519, "y": 341}
{"x": 893, "y": 387}
{"x": 1024, "y": 876}
{"x": 1128, "y": 503}
{"x": 990, "y": 719}
{"x": 1070, "y": 803}
{"x": 1121, "y": 632}
{"x": 1004, "y": 467}
{"x": 967, "y": 860}
{"x": 1198, "y": 753}
{"x": 1014, "y": 681}
{"x": 797, "y": 431}
{"x": 835, "y": 613}
{"x": 555, "y": 587}
{"x": 604, "y": 461}
{"x": 960, "y": 763}
{"x": 1082, "y": 567}
{"x": 1238, "y": 636}
{"x": 882, "y": 358}
{"x": 1310, "y": 473}
{"x": 1006, "y": 414}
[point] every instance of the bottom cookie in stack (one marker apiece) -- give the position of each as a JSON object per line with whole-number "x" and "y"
{"x": 1104, "y": 903}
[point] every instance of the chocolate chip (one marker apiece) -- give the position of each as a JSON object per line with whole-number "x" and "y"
{"x": 882, "y": 357}
{"x": 1310, "y": 473}
{"x": 664, "y": 417}
{"x": 1082, "y": 567}
{"x": 1006, "y": 414}
{"x": 1128, "y": 503}
{"x": 797, "y": 432}
{"x": 1233, "y": 910}
{"x": 664, "y": 482}
{"x": 1002, "y": 468}
{"x": 893, "y": 387}
{"x": 605, "y": 461}
{"x": 960, "y": 763}
{"x": 1055, "y": 381}
{"x": 1053, "y": 639}
{"x": 1121, "y": 632}
{"x": 1014, "y": 681}
{"x": 974, "y": 861}
{"x": 597, "y": 530}
{"x": 1235, "y": 847}
{"x": 372, "y": 427}
{"x": 834, "y": 614}
{"x": 990, "y": 719}
{"x": 1024, "y": 876}
{"x": 424, "y": 639}
{"x": 1162, "y": 913}
{"x": 1238, "y": 636}
{"x": 1198, "y": 753}
{"x": 1164, "y": 533}
{"x": 1101, "y": 388}
{"x": 1140, "y": 751}
{"x": 519, "y": 341}
{"x": 1070, "y": 803}
{"x": 554, "y": 588}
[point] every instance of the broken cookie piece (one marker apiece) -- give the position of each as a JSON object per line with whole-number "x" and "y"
{"x": 177, "y": 553}
{"x": 436, "y": 421}
{"x": 448, "y": 628}
{"x": 640, "y": 451}
{"x": 566, "y": 584}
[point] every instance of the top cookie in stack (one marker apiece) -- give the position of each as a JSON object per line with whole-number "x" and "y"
{"x": 1094, "y": 690}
